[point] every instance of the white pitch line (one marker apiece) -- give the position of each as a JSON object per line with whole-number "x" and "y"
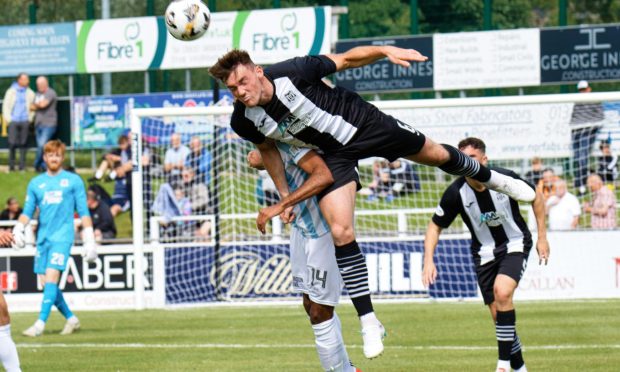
{"x": 294, "y": 346}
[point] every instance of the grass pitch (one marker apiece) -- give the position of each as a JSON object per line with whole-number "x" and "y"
{"x": 558, "y": 336}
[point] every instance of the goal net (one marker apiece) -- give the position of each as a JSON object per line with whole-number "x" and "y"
{"x": 198, "y": 198}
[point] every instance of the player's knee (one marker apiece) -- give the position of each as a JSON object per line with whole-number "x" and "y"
{"x": 320, "y": 313}
{"x": 342, "y": 234}
{"x": 503, "y": 296}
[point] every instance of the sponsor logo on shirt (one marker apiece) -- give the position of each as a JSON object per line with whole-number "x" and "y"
{"x": 295, "y": 124}
{"x": 492, "y": 219}
{"x": 52, "y": 197}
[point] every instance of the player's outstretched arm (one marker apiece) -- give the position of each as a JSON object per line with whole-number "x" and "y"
{"x": 319, "y": 178}
{"x": 429, "y": 271}
{"x": 364, "y": 55}
{"x": 542, "y": 245}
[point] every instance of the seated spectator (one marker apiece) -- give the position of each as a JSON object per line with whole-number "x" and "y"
{"x": 603, "y": 205}
{"x": 199, "y": 160}
{"x": 103, "y": 221}
{"x": 381, "y": 185}
{"x": 403, "y": 177}
{"x": 121, "y": 198}
{"x": 174, "y": 159}
{"x": 11, "y": 212}
{"x": 114, "y": 158}
{"x": 198, "y": 195}
{"x": 607, "y": 164}
{"x": 266, "y": 191}
{"x": 563, "y": 208}
{"x": 546, "y": 185}
{"x": 534, "y": 175}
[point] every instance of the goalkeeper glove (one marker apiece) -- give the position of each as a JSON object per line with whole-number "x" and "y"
{"x": 19, "y": 236}
{"x": 89, "y": 248}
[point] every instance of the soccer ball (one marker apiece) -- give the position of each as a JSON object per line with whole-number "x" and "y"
{"x": 187, "y": 19}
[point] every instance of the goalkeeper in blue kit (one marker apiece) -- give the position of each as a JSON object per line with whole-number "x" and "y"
{"x": 57, "y": 194}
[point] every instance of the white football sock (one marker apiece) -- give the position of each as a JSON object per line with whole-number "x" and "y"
{"x": 503, "y": 364}
{"x": 329, "y": 346}
{"x": 8, "y": 351}
{"x": 522, "y": 369}
{"x": 343, "y": 354}
{"x": 369, "y": 319}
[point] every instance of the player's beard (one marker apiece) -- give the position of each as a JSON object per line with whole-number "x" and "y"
{"x": 54, "y": 166}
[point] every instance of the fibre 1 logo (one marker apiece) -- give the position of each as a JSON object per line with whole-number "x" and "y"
{"x": 132, "y": 47}
{"x": 286, "y": 40}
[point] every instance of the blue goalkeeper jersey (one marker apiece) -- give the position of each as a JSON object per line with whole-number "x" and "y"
{"x": 57, "y": 198}
{"x": 309, "y": 220}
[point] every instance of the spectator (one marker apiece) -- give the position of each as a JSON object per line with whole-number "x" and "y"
{"x": 546, "y": 185}
{"x": 17, "y": 113}
{"x": 45, "y": 118}
{"x": 403, "y": 177}
{"x": 11, "y": 212}
{"x": 586, "y": 120}
{"x": 563, "y": 208}
{"x": 174, "y": 159}
{"x": 103, "y": 221}
{"x": 266, "y": 191}
{"x": 199, "y": 160}
{"x": 607, "y": 164}
{"x": 114, "y": 158}
{"x": 119, "y": 160}
{"x": 603, "y": 206}
{"x": 534, "y": 175}
{"x": 381, "y": 185}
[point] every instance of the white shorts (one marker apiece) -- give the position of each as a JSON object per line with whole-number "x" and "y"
{"x": 314, "y": 268}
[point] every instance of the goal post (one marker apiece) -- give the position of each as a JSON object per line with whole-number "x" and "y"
{"x": 199, "y": 260}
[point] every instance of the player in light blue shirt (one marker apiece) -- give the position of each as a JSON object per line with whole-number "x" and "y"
{"x": 313, "y": 261}
{"x": 57, "y": 194}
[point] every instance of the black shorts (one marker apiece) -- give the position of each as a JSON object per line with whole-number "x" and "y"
{"x": 511, "y": 264}
{"x": 384, "y": 137}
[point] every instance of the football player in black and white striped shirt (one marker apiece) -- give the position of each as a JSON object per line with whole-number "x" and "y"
{"x": 289, "y": 102}
{"x": 501, "y": 243}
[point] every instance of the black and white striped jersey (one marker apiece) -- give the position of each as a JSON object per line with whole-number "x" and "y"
{"x": 304, "y": 111}
{"x": 494, "y": 220}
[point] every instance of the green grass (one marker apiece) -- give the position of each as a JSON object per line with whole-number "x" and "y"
{"x": 558, "y": 336}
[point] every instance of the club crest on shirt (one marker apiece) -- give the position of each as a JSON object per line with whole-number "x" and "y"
{"x": 64, "y": 182}
{"x": 290, "y": 96}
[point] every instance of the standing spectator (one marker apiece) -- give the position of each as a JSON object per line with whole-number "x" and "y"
{"x": 603, "y": 206}
{"x": 103, "y": 221}
{"x": 17, "y": 113}
{"x": 174, "y": 159}
{"x": 586, "y": 120}
{"x": 199, "y": 161}
{"x": 563, "y": 208}
{"x": 534, "y": 175}
{"x": 12, "y": 211}
{"x": 546, "y": 185}
{"x": 45, "y": 118}
{"x": 607, "y": 164}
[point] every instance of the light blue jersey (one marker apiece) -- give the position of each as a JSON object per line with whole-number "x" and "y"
{"x": 57, "y": 198}
{"x": 309, "y": 220}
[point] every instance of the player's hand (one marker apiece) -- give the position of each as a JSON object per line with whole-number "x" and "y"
{"x": 89, "y": 247}
{"x": 19, "y": 235}
{"x": 287, "y": 216}
{"x": 402, "y": 57}
{"x": 429, "y": 274}
{"x": 6, "y": 238}
{"x": 542, "y": 246}
{"x": 265, "y": 215}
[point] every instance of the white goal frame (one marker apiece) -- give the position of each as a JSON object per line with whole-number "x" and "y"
{"x": 136, "y": 115}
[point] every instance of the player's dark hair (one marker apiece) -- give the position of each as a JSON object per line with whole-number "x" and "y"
{"x": 11, "y": 200}
{"x": 20, "y": 75}
{"x": 474, "y": 142}
{"x": 123, "y": 139}
{"x": 228, "y": 62}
